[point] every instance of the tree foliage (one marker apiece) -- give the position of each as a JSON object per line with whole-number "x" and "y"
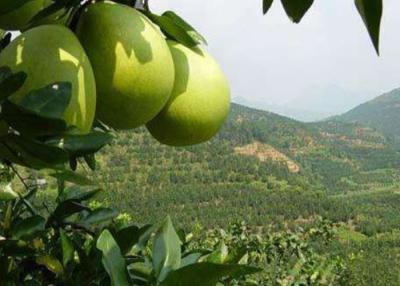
{"x": 369, "y": 10}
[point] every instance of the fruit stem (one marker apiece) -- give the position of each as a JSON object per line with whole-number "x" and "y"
{"x": 146, "y": 5}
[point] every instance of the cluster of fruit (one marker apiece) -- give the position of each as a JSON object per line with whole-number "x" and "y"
{"x": 122, "y": 70}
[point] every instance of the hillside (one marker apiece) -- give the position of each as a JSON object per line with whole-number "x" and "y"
{"x": 381, "y": 113}
{"x": 257, "y": 162}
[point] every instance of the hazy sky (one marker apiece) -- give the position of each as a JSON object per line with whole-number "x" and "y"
{"x": 269, "y": 59}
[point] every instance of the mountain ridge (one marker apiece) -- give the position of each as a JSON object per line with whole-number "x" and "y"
{"x": 381, "y": 113}
{"x": 256, "y": 152}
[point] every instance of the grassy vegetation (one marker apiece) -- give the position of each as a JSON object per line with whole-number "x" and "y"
{"x": 343, "y": 172}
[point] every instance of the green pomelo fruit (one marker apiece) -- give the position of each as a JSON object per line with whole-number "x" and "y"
{"x": 131, "y": 61}
{"x": 19, "y": 18}
{"x": 49, "y": 54}
{"x": 199, "y": 103}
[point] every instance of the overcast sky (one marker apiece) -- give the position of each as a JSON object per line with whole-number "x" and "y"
{"x": 269, "y": 59}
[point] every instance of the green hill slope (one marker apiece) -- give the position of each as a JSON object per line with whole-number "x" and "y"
{"x": 260, "y": 166}
{"x": 381, "y": 113}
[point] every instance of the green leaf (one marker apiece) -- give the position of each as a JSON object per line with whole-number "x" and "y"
{"x": 51, "y": 263}
{"x": 40, "y": 112}
{"x": 68, "y": 176}
{"x": 11, "y": 84}
{"x": 371, "y": 13}
{"x": 172, "y": 30}
{"x": 196, "y": 36}
{"x": 267, "y": 5}
{"x": 67, "y": 248}
{"x": 12, "y": 5}
{"x": 112, "y": 259}
{"x": 99, "y": 216}
{"x": 236, "y": 255}
{"x": 131, "y": 236}
{"x": 166, "y": 250}
{"x": 190, "y": 259}
{"x": 5, "y": 41}
{"x": 80, "y": 145}
{"x": 5, "y": 72}
{"x": 30, "y": 124}
{"x": 33, "y": 153}
{"x": 91, "y": 161}
{"x": 28, "y": 228}
{"x": 7, "y": 193}
{"x": 50, "y": 101}
{"x": 296, "y": 9}
{"x": 140, "y": 270}
{"x": 78, "y": 193}
{"x": 206, "y": 274}
{"x": 219, "y": 255}
{"x": 66, "y": 209}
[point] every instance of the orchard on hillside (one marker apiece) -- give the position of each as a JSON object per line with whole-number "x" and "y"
{"x": 79, "y": 70}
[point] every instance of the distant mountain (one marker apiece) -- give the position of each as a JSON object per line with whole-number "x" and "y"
{"x": 303, "y": 115}
{"x": 328, "y": 100}
{"x": 381, "y": 113}
{"x": 315, "y": 103}
{"x": 256, "y": 153}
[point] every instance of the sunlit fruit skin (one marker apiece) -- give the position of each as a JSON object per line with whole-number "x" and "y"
{"x": 200, "y": 100}
{"x": 49, "y": 54}
{"x": 132, "y": 64}
{"x": 19, "y": 18}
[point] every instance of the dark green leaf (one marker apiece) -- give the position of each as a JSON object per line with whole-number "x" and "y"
{"x": 140, "y": 270}
{"x": 99, "y": 216}
{"x": 235, "y": 255}
{"x": 172, "y": 30}
{"x": 73, "y": 163}
{"x": 112, "y": 259}
{"x": 5, "y": 72}
{"x": 91, "y": 161}
{"x": 196, "y": 36}
{"x": 266, "y": 5}
{"x": 11, "y": 84}
{"x": 69, "y": 176}
{"x": 30, "y": 124}
{"x": 28, "y": 228}
{"x": 296, "y": 9}
{"x": 78, "y": 193}
{"x": 80, "y": 145}
{"x": 66, "y": 209}
{"x": 7, "y": 193}
{"x": 166, "y": 250}
{"x": 67, "y": 248}
{"x": 132, "y": 235}
{"x": 56, "y": 10}
{"x": 371, "y": 13}
{"x": 5, "y": 41}
{"x": 190, "y": 259}
{"x": 33, "y": 153}
{"x": 50, "y": 101}
{"x": 206, "y": 274}
{"x": 9, "y": 6}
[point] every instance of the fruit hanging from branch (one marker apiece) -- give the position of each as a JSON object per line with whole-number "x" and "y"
{"x": 131, "y": 61}
{"x": 199, "y": 103}
{"x": 49, "y": 54}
